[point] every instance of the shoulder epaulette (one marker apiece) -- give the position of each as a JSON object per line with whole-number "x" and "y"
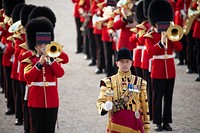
{"x": 59, "y": 60}
{"x": 24, "y": 46}
{"x": 10, "y": 38}
{"x": 107, "y": 82}
{"x": 134, "y": 30}
{"x": 3, "y": 25}
{"x": 81, "y": 2}
{"x": 149, "y": 34}
{"x": 141, "y": 32}
{"x": 141, "y": 26}
{"x": 18, "y": 36}
{"x": 100, "y": 5}
{"x": 27, "y": 60}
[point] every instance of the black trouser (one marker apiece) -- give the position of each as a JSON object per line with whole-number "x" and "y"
{"x": 1, "y": 73}
{"x": 182, "y": 54}
{"x": 86, "y": 44}
{"x": 162, "y": 88}
{"x": 108, "y": 51}
{"x": 191, "y": 50}
{"x": 79, "y": 39}
{"x": 198, "y": 55}
{"x": 8, "y": 87}
{"x": 43, "y": 120}
{"x": 100, "y": 52}
{"x": 146, "y": 76}
{"x": 92, "y": 44}
{"x": 25, "y": 108}
{"x": 18, "y": 99}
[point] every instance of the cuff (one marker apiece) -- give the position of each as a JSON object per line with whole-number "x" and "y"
{"x": 161, "y": 45}
{"x": 38, "y": 65}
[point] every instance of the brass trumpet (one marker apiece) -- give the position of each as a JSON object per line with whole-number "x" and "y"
{"x": 174, "y": 32}
{"x": 53, "y": 49}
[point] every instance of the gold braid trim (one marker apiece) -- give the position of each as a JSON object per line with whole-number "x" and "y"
{"x": 149, "y": 35}
{"x": 28, "y": 68}
{"x": 3, "y": 25}
{"x": 24, "y": 46}
{"x": 10, "y": 38}
{"x": 122, "y": 129}
{"x": 18, "y": 36}
{"x": 81, "y": 2}
{"x": 141, "y": 33}
{"x": 144, "y": 106}
{"x": 134, "y": 30}
{"x": 100, "y": 5}
{"x": 102, "y": 97}
{"x": 141, "y": 26}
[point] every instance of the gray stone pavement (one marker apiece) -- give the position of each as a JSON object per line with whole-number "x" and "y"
{"x": 79, "y": 87}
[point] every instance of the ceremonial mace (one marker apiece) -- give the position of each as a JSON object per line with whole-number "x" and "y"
{"x": 109, "y": 94}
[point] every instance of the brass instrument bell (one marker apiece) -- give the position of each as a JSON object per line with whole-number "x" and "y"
{"x": 53, "y": 49}
{"x": 174, "y": 32}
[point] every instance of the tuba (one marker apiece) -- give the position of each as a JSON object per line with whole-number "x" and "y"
{"x": 174, "y": 32}
{"x": 53, "y": 49}
{"x": 192, "y": 14}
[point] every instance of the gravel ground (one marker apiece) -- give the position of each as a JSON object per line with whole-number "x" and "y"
{"x": 79, "y": 88}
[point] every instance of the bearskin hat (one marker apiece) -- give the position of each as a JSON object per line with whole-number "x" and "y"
{"x": 139, "y": 12}
{"x": 160, "y": 10}
{"x": 9, "y": 5}
{"x": 24, "y": 14}
{"x": 40, "y": 24}
{"x": 43, "y": 11}
{"x": 1, "y": 4}
{"x": 146, "y": 4}
{"x": 16, "y": 12}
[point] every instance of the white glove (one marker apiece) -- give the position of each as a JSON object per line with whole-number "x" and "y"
{"x": 2, "y": 46}
{"x": 108, "y": 105}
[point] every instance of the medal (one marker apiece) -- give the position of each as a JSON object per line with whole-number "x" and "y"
{"x": 137, "y": 114}
{"x": 135, "y": 88}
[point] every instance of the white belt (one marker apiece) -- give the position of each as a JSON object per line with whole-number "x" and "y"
{"x": 43, "y": 84}
{"x": 140, "y": 47}
{"x": 163, "y": 56}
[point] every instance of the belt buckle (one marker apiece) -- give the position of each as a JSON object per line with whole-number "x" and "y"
{"x": 45, "y": 84}
{"x": 166, "y": 56}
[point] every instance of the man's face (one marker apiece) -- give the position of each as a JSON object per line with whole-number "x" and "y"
{"x": 124, "y": 65}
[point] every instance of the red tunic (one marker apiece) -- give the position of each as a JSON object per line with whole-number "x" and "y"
{"x": 139, "y": 41}
{"x": 76, "y": 12}
{"x": 7, "y": 56}
{"x": 23, "y": 55}
{"x": 19, "y": 39}
{"x": 9, "y": 50}
{"x": 125, "y": 34}
{"x": 180, "y": 5}
{"x": 196, "y": 23}
{"x": 86, "y": 8}
{"x": 43, "y": 96}
{"x": 162, "y": 68}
